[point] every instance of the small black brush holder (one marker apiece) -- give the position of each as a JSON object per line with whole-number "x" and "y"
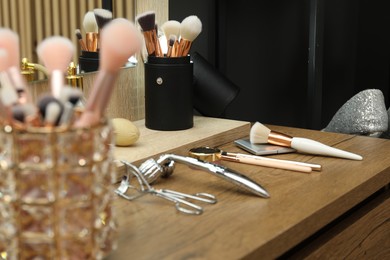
{"x": 213, "y": 92}
{"x": 168, "y": 93}
{"x": 89, "y": 61}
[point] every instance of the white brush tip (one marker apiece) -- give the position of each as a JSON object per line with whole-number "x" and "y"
{"x": 190, "y": 28}
{"x": 259, "y": 133}
{"x": 53, "y": 110}
{"x": 171, "y": 27}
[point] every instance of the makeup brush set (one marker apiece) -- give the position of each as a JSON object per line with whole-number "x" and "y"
{"x": 118, "y": 41}
{"x": 179, "y": 36}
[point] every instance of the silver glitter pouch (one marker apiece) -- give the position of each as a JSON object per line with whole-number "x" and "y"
{"x": 364, "y": 114}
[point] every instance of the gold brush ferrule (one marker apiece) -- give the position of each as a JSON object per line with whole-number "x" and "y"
{"x": 73, "y": 79}
{"x": 279, "y": 139}
{"x": 92, "y": 41}
{"x": 184, "y": 47}
{"x": 229, "y": 158}
{"x": 150, "y": 42}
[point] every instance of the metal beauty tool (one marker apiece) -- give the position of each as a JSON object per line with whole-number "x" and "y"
{"x": 164, "y": 166}
{"x": 131, "y": 192}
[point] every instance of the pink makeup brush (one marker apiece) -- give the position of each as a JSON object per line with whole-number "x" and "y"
{"x": 56, "y": 52}
{"x": 9, "y": 41}
{"x": 120, "y": 39}
{"x": 262, "y": 134}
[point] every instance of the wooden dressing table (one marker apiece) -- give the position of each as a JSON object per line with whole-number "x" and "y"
{"x": 341, "y": 212}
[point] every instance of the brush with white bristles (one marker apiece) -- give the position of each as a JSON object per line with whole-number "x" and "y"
{"x": 259, "y": 133}
{"x": 9, "y": 41}
{"x": 172, "y": 27}
{"x": 91, "y": 31}
{"x": 56, "y": 52}
{"x": 190, "y": 28}
{"x": 147, "y": 21}
{"x": 119, "y": 40}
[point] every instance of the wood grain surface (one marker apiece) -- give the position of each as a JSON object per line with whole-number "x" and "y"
{"x": 242, "y": 225}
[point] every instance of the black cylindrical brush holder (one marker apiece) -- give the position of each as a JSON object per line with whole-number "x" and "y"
{"x": 213, "y": 92}
{"x": 168, "y": 93}
{"x": 89, "y": 61}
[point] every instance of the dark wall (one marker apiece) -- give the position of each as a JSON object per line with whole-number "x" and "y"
{"x": 263, "y": 47}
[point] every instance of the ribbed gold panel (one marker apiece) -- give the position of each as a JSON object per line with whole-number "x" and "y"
{"x": 34, "y": 20}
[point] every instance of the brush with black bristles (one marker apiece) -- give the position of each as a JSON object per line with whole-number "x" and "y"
{"x": 102, "y": 16}
{"x": 171, "y": 44}
{"x": 80, "y": 39}
{"x": 190, "y": 28}
{"x": 147, "y": 21}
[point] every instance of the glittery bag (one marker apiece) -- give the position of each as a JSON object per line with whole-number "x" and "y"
{"x": 363, "y": 114}
{"x": 55, "y": 193}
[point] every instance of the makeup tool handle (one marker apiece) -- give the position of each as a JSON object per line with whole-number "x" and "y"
{"x": 313, "y": 147}
{"x": 275, "y": 164}
{"x": 224, "y": 173}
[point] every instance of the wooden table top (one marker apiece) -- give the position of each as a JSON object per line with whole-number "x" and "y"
{"x": 242, "y": 225}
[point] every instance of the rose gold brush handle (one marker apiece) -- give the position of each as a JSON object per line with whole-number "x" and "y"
{"x": 98, "y": 99}
{"x": 268, "y": 163}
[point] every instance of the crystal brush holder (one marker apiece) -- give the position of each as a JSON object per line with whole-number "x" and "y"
{"x": 55, "y": 193}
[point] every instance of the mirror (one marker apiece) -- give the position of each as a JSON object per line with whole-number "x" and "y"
{"x": 38, "y": 19}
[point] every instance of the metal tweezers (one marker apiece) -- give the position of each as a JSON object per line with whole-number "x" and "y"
{"x": 178, "y": 198}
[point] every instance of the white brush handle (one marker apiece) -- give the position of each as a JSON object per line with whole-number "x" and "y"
{"x": 313, "y": 147}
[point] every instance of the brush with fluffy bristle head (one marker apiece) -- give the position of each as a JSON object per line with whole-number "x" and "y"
{"x": 80, "y": 39}
{"x": 102, "y": 16}
{"x": 89, "y": 22}
{"x": 171, "y": 27}
{"x": 190, "y": 28}
{"x": 259, "y": 133}
{"x": 9, "y": 40}
{"x": 56, "y": 52}
{"x": 147, "y": 22}
{"x": 3, "y": 60}
{"x": 43, "y": 103}
{"x": 91, "y": 31}
{"x": 171, "y": 43}
{"x": 120, "y": 39}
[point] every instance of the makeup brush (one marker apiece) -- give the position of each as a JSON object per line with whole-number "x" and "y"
{"x": 56, "y": 52}
{"x": 190, "y": 28}
{"x": 50, "y": 109}
{"x": 262, "y": 134}
{"x": 147, "y": 21}
{"x": 9, "y": 41}
{"x": 91, "y": 31}
{"x": 120, "y": 39}
{"x": 80, "y": 39}
{"x": 27, "y": 114}
{"x": 172, "y": 27}
{"x": 171, "y": 43}
{"x": 102, "y": 16}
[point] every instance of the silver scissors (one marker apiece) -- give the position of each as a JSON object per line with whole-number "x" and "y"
{"x": 178, "y": 198}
